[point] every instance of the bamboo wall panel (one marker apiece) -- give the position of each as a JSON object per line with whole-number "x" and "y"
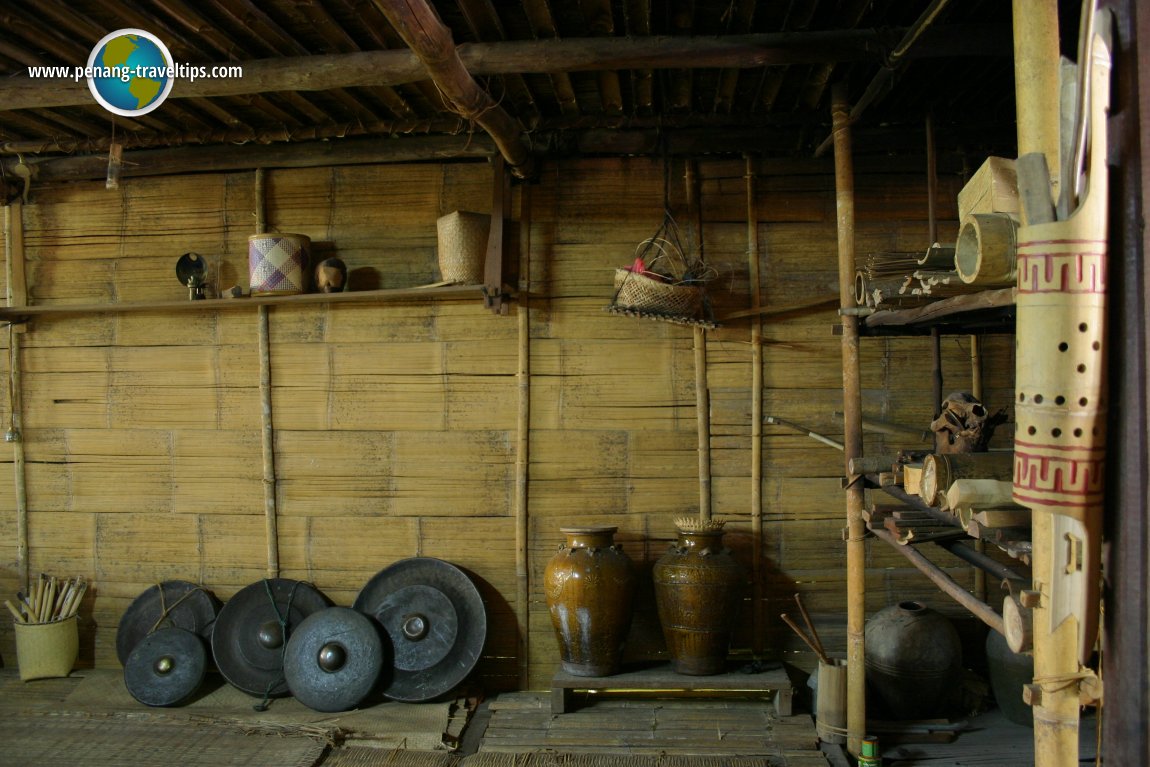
{"x": 395, "y": 424}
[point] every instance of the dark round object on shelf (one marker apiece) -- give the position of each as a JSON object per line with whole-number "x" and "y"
{"x": 334, "y": 659}
{"x": 175, "y": 603}
{"x": 166, "y": 667}
{"x": 253, "y": 628}
{"x": 434, "y": 616}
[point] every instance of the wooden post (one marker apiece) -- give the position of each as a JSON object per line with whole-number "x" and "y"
{"x": 976, "y": 390}
{"x": 17, "y": 296}
{"x": 852, "y": 423}
{"x": 522, "y": 445}
{"x": 758, "y": 627}
{"x": 271, "y": 522}
{"x": 702, "y": 393}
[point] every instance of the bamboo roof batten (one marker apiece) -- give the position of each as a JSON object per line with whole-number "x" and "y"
{"x": 425, "y": 34}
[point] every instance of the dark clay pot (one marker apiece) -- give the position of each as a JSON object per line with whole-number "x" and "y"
{"x": 913, "y": 661}
{"x": 590, "y": 587}
{"x": 698, "y": 586}
{"x": 1009, "y": 672}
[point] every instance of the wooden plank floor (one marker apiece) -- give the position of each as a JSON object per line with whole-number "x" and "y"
{"x": 635, "y": 726}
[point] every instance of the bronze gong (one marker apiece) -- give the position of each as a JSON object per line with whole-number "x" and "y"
{"x": 435, "y": 619}
{"x": 166, "y": 667}
{"x": 251, "y": 634}
{"x": 334, "y": 659}
{"x": 174, "y": 603}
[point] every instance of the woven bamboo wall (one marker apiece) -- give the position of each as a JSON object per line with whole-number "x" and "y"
{"x": 396, "y": 423}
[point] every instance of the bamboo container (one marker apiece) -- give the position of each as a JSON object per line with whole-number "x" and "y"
{"x": 985, "y": 253}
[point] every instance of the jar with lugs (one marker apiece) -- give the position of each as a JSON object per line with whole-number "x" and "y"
{"x": 590, "y": 586}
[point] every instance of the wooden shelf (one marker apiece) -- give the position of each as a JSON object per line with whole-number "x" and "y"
{"x": 440, "y": 293}
{"x": 1011, "y": 540}
{"x": 986, "y": 311}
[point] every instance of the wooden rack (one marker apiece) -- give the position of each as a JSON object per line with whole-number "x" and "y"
{"x": 440, "y": 293}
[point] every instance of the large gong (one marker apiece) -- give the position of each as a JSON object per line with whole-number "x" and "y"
{"x": 252, "y": 631}
{"x": 166, "y": 667}
{"x": 435, "y": 619}
{"x": 334, "y": 659}
{"x": 178, "y": 604}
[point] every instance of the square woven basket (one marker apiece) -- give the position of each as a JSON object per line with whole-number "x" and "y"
{"x": 462, "y": 241}
{"x": 46, "y": 650}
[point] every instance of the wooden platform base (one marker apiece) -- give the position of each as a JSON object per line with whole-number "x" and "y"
{"x": 662, "y": 678}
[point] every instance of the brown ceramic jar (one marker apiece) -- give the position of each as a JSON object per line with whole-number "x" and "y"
{"x": 698, "y": 585}
{"x": 590, "y": 586}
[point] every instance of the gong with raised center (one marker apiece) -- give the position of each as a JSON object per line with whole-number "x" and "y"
{"x": 252, "y": 631}
{"x": 334, "y": 659}
{"x": 170, "y": 604}
{"x": 166, "y": 667}
{"x": 435, "y": 619}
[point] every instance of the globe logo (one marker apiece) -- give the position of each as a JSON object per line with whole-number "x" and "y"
{"x": 130, "y": 72}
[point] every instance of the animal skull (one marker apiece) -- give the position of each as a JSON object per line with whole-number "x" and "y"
{"x": 960, "y": 426}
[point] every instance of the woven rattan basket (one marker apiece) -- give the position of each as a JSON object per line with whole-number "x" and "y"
{"x": 46, "y": 650}
{"x": 462, "y": 246}
{"x": 634, "y": 290}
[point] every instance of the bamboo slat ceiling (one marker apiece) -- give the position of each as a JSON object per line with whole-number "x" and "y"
{"x": 616, "y": 76}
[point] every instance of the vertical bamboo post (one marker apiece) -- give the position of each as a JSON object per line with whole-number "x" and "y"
{"x": 271, "y": 522}
{"x": 1036, "y": 83}
{"x": 702, "y": 394}
{"x": 852, "y": 423}
{"x": 980, "y": 545}
{"x": 1056, "y": 708}
{"x": 758, "y": 628}
{"x": 17, "y": 296}
{"x": 523, "y": 444}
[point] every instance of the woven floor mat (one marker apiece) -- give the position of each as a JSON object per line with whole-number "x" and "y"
{"x": 375, "y": 757}
{"x": 484, "y": 759}
{"x": 389, "y": 724}
{"x": 44, "y": 740}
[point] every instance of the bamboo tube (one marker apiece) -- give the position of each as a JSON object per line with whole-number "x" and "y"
{"x": 1061, "y": 297}
{"x": 702, "y": 394}
{"x": 852, "y": 424}
{"x": 522, "y": 445}
{"x": 758, "y": 627}
{"x": 1036, "y": 83}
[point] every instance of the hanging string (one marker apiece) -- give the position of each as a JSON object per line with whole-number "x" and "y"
{"x": 167, "y": 611}
{"x": 282, "y": 619}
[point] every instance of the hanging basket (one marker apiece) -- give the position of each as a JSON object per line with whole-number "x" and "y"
{"x": 635, "y": 290}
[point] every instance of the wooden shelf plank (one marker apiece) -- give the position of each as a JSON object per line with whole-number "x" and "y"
{"x": 440, "y": 293}
{"x": 987, "y": 310}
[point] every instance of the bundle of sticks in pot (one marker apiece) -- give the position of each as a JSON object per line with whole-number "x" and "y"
{"x": 48, "y": 599}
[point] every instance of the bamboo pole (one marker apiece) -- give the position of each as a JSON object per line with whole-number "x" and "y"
{"x": 758, "y": 628}
{"x": 1054, "y": 696}
{"x": 271, "y": 521}
{"x": 702, "y": 394}
{"x": 852, "y": 424}
{"x": 1036, "y": 84}
{"x": 522, "y": 446}
{"x": 952, "y": 588}
{"x": 980, "y": 545}
{"x": 14, "y": 266}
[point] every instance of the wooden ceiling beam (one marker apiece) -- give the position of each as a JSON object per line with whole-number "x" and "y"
{"x": 398, "y": 67}
{"x": 225, "y": 158}
{"x": 420, "y": 27}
